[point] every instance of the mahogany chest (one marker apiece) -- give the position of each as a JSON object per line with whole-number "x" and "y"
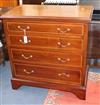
{"x": 47, "y": 46}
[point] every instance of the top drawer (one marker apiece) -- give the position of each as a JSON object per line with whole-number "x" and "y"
{"x": 70, "y": 28}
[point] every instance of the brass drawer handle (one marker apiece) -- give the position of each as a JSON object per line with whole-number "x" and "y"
{"x": 64, "y": 74}
{"x": 27, "y": 72}
{"x": 62, "y": 45}
{"x": 19, "y": 27}
{"x": 63, "y": 30}
{"x": 24, "y": 42}
{"x": 25, "y": 39}
{"x": 25, "y": 57}
{"x": 63, "y": 60}
{"x": 24, "y": 29}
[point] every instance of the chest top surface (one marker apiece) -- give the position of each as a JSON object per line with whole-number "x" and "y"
{"x": 50, "y": 12}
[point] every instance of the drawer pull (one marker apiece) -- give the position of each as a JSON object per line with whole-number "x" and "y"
{"x": 63, "y": 30}
{"x": 25, "y": 57}
{"x": 63, "y": 60}
{"x": 23, "y": 29}
{"x": 64, "y": 74}
{"x": 27, "y": 27}
{"x": 25, "y": 39}
{"x": 27, "y": 72}
{"x": 24, "y": 42}
{"x": 62, "y": 45}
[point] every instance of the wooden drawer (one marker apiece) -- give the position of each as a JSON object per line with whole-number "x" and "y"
{"x": 46, "y": 73}
{"x": 47, "y": 42}
{"x": 47, "y": 57}
{"x": 70, "y": 28}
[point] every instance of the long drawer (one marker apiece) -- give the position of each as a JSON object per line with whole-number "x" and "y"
{"x": 45, "y": 73}
{"x": 47, "y": 42}
{"x": 47, "y": 57}
{"x": 63, "y": 28}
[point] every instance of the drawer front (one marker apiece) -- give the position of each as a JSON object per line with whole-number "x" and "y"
{"x": 45, "y": 57}
{"x": 47, "y": 42}
{"x": 70, "y": 28}
{"x": 33, "y": 71}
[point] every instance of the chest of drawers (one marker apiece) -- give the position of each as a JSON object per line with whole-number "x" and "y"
{"x": 49, "y": 52}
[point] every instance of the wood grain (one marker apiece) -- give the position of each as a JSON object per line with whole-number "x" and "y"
{"x": 8, "y": 3}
